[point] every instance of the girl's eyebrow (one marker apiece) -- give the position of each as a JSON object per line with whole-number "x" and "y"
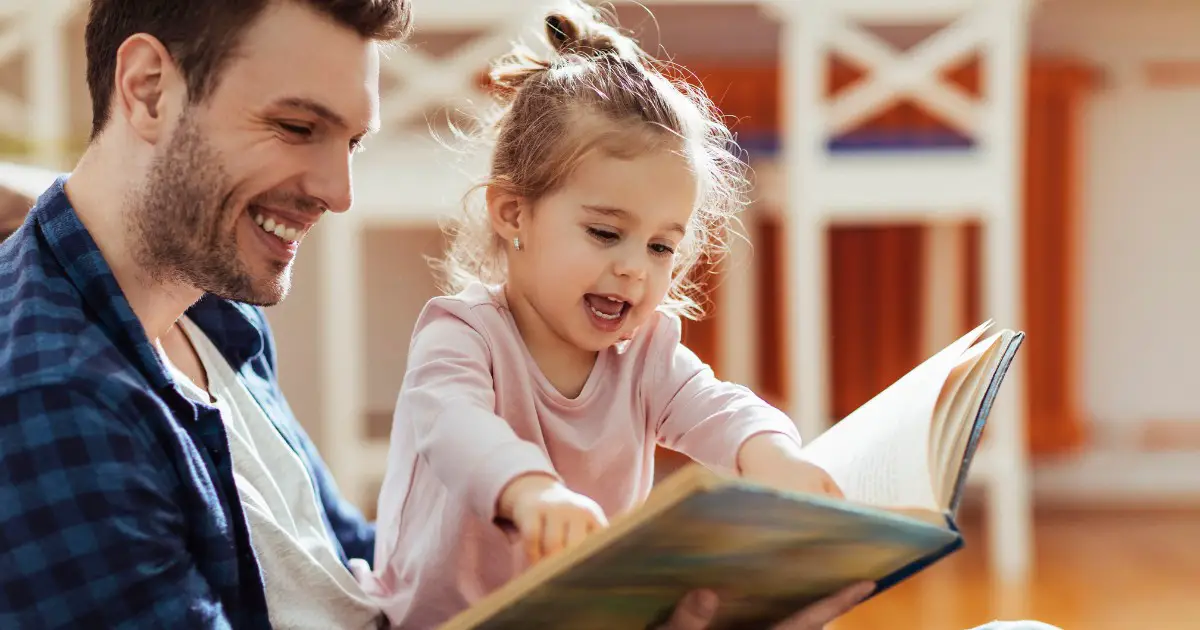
{"x": 619, "y": 213}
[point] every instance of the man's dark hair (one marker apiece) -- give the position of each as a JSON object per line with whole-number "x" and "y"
{"x": 202, "y": 35}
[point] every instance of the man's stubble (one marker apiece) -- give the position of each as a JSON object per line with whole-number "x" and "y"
{"x": 182, "y": 224}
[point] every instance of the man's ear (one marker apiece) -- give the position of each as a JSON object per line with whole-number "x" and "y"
{"x": 148, "y": 88}
{"x": 506, "y": 211}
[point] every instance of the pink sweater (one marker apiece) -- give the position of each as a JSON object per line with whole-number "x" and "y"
{"x": 475, "y": 411}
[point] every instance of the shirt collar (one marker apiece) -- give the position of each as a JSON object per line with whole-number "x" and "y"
{"x": 229, "y": 325}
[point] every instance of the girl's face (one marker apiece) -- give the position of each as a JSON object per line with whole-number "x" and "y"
{"x": 596, "y": 254}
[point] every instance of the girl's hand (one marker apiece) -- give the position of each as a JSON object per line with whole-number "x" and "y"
{"x": 803, "y": 476}
{"x": 549, "y": 516}
{"x": 774, "y": 460}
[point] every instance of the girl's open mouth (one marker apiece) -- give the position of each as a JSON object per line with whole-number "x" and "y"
{"x": 606, "y": 312}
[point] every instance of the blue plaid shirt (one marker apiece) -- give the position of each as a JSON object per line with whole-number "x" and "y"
{"x": 117, "y": 499}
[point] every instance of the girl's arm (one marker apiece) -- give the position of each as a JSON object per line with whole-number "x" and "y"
{"x": 448, "y": 405}
{"x": 700, "y": 415}
{"x": 723, "y": 425}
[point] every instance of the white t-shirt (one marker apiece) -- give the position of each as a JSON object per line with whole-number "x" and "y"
{"x": 307, "y": 586}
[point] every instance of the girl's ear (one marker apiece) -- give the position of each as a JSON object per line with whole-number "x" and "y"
{"x": 506, "y": 211}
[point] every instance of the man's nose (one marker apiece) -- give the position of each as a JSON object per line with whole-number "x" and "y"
{"x": 332, "y": 181}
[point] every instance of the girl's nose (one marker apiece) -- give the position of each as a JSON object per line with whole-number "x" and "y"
{"x": 630, "y": 267}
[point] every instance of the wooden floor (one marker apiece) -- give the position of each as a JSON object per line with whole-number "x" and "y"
{"x": 1094, "y": 571}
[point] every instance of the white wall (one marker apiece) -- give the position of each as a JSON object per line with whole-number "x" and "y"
{"x": 1141, "y": 217}
{"x": 399, "y": 282}
{"x": 296, "y": 322}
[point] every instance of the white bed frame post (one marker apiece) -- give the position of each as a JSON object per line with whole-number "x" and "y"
{"x": 42, "y": 119}
{"x": 342, "y": 352}
{"x": 804, "y": 48}
{"x": 1010, "y": 515}
{"x": 940, "y": 190}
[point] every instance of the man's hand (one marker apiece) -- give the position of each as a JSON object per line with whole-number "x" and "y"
{"x": 774, "y": 460}
{"x": 698, "y": 608}
{"x": 549, "y": 516}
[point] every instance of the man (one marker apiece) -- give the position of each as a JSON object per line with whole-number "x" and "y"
{"x": 151, "y": 473}
{"x": 133, "y": 477}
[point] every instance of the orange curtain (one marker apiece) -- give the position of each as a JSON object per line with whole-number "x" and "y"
{"x": 702, "y": 335}
{"x": 876, "y": 278}
{"x": 1057, "y": 91}
{"x": 749, "y": 95}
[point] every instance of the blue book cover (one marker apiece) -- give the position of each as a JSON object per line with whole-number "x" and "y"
{"x": 768, "y": 552}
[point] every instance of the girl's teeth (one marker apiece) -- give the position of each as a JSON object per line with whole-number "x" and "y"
{"x": 603, "y": 315}
{"x": 269, "y": 225}
{"x": 280, "y": 230}
{"x": 258, "y": 218}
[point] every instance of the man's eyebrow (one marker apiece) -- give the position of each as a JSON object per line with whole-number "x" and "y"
{"x": 619, "y": 213}
{"x": 321, "y": 111}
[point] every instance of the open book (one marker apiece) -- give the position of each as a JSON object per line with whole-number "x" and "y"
{"x": 901, "y": 460}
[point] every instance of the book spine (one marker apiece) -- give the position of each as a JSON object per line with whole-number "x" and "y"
{"x": 915, "y": 567}
{"x": 981, "y": 417}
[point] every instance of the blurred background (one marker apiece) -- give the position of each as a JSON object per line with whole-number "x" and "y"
{"x": 919, "y": 166}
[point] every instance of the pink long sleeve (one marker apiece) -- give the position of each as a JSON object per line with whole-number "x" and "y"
{"x": 449, "y": 401}
{"x": 475, "y": 411}
{"x": 700, "y": 415}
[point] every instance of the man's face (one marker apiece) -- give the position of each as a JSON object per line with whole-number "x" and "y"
{"x": 247, "y": 172}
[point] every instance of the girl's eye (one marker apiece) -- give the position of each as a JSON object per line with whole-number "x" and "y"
{"x": 603, "y": 235}
{"x": 662, "y": 250}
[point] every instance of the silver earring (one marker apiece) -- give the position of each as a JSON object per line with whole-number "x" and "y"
{"x": 517, "y": 243}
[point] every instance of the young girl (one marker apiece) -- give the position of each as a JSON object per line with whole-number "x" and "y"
{"x": 536, "y": 393}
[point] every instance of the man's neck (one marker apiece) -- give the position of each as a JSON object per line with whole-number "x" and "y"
{"x": 99, "y": 192}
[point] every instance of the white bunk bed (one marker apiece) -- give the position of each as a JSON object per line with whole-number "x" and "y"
{"x": 984, "y": 183}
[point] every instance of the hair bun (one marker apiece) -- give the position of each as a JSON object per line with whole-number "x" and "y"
{"x": 585, "y": 34}
{"x": 574, "y": 29}
{"x": 561, "y": 30}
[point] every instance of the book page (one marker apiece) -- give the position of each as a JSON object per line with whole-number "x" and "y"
{"x": 942, "y": 427}
{"x": 964, "y": 414}
{"x": 879, "y": 454}
{"x": 952, "y": 409}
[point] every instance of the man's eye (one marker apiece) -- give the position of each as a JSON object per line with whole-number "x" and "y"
{"x": 299, "y": 130}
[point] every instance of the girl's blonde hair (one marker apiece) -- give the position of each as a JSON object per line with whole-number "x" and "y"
{"x": 541, "y": 131}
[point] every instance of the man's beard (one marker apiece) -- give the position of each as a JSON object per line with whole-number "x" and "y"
{"x": 183, "y": 225}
